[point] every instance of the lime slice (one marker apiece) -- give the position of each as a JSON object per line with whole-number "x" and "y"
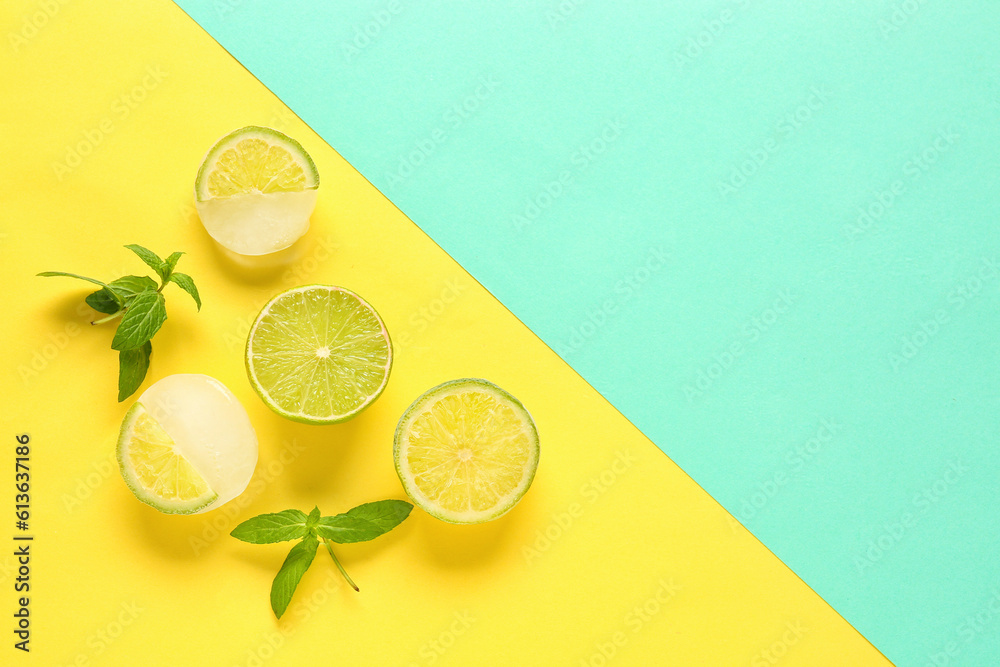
{"x": 255, "y": 191}
{"x": 155, "y": 471}
{"x": 318, "y": 354}
{"x": 466, "y": 451}
{"x": 209, "y": 428}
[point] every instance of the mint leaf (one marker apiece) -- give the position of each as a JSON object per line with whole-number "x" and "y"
{"x": 271, "y": 528}
{"x": 168, "y": 265}
{"x": 152, "y": 260}
{"x": 126, "y": 288}
{"x": 142, "y": 309}
{"x": 186, "y": 283}
{"x": 144, "y": 317}
{"x": 132, "y": 367}
{"x": 129, "y": 286}
{"x": 296, "y": 563}
{"x": 49, "y": 274}
{"x": 103, "y": 301}
{"x": 364, "y": 522}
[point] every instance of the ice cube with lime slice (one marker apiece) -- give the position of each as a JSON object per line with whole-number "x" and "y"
{"x": 255, "y": 191}
{"x": 187, "y": 445}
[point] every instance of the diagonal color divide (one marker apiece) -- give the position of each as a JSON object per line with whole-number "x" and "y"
{"x": 766, "y": 234}
{"x": 613, "y": 555}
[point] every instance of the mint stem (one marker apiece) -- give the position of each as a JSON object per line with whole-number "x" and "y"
{"x": 109, "y": 317}
{"x": 340, "y": 567}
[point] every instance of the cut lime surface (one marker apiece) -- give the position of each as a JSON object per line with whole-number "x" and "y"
{"x": 155, "y": 470}
{"x": 318, "y": 354}
{"x": 255, "y": 190}
{"x": 466, "y": 451}
{"x": 255, "y": 160}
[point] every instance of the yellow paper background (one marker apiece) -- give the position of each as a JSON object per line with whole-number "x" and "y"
{"x": 115, "y": 583}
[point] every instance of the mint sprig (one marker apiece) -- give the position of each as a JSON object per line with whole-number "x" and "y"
{"x": 363, "y": 523}
{"x": 140, "y": 304}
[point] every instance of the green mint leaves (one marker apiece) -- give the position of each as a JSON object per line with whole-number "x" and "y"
{"x": 271, "y": 528}
{"x": 287, "y": 580}
{"x": 140, "y": 304}
{"x": 363, "y": 523}
{"x": 132, "y": 367}
{"x": 145, "y": 314}
{"x": 152, "y": 260}
{"x": 186, "y": 283}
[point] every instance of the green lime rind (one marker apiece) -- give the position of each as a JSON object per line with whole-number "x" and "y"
{"x": 298, "y": 417}
{"x": 293, "y": 146}
{"x": 416, "y": 407}
{"x": 137, "y": 489}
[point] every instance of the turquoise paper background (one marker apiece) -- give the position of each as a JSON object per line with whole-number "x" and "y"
{"x": 768, "y": 234}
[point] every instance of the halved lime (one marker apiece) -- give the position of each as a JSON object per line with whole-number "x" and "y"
{"x": 255, "y": 190}
{"x": 466, "y": 451}
{"x": 155, "y": 470}
{"x": 318, "y": 354}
